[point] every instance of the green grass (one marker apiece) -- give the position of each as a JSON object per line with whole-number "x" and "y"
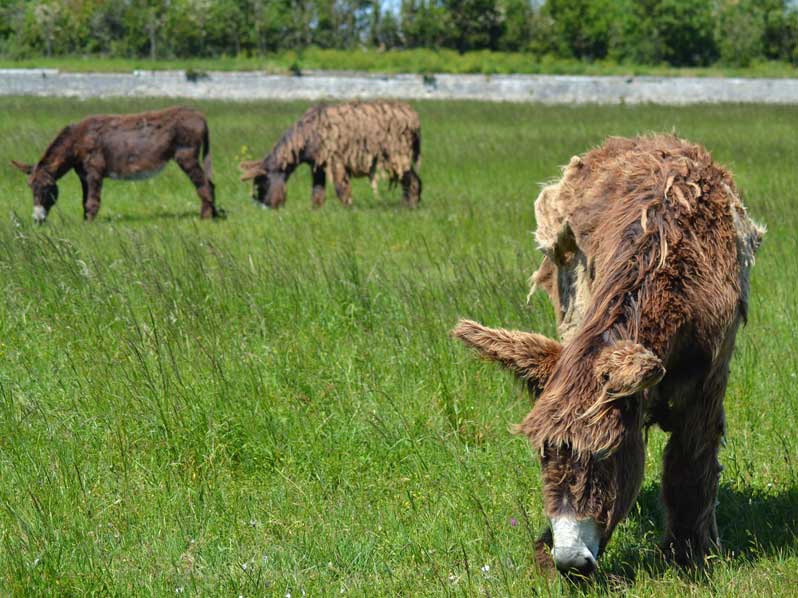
{"x": 398, "y": 61}
{"x": 271, "y": 404}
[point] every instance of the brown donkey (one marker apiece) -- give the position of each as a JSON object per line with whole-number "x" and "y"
{"x": 647, "y": 256}
{"x": 128, "y": 147}
{"x": 353, "y": 139}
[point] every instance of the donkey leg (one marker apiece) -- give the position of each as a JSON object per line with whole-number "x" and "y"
{"x": 343, "y": 188}
{"x": 691, "y": 475}
{"x": 374, "y": 180}
{"x": 318, "y": 194}
{"x": 188, "y": 161}
{"x": 92, "y": 190}
{"x": 411, "y": 185}
{"x": 84, "y": 187}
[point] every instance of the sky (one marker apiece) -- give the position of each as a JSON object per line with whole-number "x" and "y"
{"x": 391, "y": 4}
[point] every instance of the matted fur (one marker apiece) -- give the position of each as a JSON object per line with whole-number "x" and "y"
{"x": 353, "y": 139}
{"x": 647, "y": 255}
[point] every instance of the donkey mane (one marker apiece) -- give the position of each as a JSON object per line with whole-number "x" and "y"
{"x": 287, "y": 152}
{"x": 651, "y": 215}
{"x": 64, "y": 137}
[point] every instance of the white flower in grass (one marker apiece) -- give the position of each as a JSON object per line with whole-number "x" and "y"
{"x": 244, "y": 566}
{"x": 179, "y": 590}
{"x": 485, "y": 569}
{"x": 253, "y": 523}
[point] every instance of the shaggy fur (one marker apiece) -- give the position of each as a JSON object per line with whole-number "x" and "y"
{"x": 647, "y": 256}
{"x": 354, "y": 139}
{"x": 130, "y": 147}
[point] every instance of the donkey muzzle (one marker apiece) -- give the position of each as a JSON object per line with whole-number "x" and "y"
{"x": 39, "y": 214}
{"x": 576, "y": 544}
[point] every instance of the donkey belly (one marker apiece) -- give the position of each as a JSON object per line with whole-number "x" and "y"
{"x": 135, "y": 175}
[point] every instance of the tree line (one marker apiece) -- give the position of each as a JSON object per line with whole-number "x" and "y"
{"x": 648, "y": 32}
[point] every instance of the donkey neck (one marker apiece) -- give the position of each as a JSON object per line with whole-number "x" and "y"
{"x": 638, "y": 314}
{"x": 289, "y": 152}
{"x": 59, "y": 157}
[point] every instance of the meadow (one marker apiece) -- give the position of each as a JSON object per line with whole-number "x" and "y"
{"x": 271, "y": 405}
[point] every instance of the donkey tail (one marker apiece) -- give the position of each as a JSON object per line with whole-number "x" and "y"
{"x": 207, "y": 166}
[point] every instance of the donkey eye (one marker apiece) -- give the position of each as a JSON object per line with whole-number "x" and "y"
{"x": 605, "y": 377}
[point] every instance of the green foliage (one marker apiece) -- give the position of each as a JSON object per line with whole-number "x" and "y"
{"x": 681, "y": 33}
{"x": 741, "y": 28}
{"x": 272, "y": 404}
{"x": 473, "y": 24}
{"x": 584, "y": 28}
{"x": 685, "y": 28}
{"x": 678, "y": 33}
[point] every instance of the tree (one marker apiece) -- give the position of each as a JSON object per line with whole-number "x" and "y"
{"x": 389, "y": 34}
{"x": 47, "y": 17}
{"x": 583, "y": 28}
{"x": 739, "y": 32}
{"x": 686, "y": 28}
{"x": 106, "y": 26}
{"x": 423, "y": 23}
{"x": 517, "y": 17}
{"x": 473, "y": 24}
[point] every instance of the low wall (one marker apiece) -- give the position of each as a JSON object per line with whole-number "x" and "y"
{"x": 548, "y": 89}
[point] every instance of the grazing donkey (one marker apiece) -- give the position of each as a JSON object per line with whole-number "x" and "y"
{"x": 353, "y": 139}
{"x": 128, "y": 147}
{"x": 647, "y": 255}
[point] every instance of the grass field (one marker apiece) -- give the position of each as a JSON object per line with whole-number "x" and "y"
{"x": 270, "y": 404}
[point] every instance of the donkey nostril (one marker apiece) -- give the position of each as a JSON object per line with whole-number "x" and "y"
{"x": 574, "y": 561}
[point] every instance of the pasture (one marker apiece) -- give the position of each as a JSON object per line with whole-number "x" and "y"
{"x": 271, "y": 404}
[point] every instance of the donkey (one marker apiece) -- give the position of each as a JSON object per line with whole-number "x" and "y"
{"x": 647, "y": 255}
{"x": 128, "y": 147}
{"x": 353, "y": 139}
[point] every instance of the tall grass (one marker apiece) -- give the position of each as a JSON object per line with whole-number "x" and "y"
{"x": 271, "y": 404}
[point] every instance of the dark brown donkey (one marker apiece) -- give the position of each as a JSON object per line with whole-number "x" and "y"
{"x": 647, "y": 255}
{"x": 127, "y": 147}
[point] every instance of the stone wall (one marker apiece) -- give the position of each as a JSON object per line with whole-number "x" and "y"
{"x": 546, "y": 89}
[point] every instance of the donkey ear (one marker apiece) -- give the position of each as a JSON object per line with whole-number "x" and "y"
{"x": 625, "y": 368}
{"x": 26, "y": 168}
{"x": 531, "y": 356}
{"x": 251, "y": 169}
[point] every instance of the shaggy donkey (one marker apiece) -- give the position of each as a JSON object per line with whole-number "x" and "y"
{"x": 647, "y": 256}
{"x": 129, "y": 147}
{"x": 353, "y": 139}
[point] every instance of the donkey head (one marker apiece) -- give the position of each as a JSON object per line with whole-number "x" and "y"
{"x": 45, "y": 190}
{"x": 587, "y": 427}
{"x": 268, "y": 184}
